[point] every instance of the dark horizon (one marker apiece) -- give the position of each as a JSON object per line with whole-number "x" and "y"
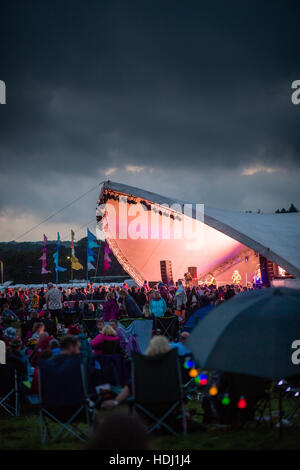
{"x": 188, "y": 100}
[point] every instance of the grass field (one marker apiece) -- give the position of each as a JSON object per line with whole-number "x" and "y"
{"x": 23, "y": 433}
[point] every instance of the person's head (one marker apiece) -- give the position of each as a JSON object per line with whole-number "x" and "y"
{"x": 15, "y": 346}
{"x": 156, "y": 295}
{"x": 113, "y": 324}
{"x": 123, "y": 293}
{"x": 53, "y": 344}
{"x": 108, "y": 331}
{"x": 146, "y": 310}
{"x": 110, "y": 296}
{"x": 10, "y": 332}
{"x": 38, "y": 328}
{"x": 47, "y": 354}
{"x": 184, "y": 336}
{"x": 5, "y": 307}
{"x": 119, "y": 430}
{"x": 70, "y": 345}
{"x": 100, "y": 325}
{"x": 49, "y": 285}
{"x": 158, "y": 345}
{"x": 73, "y": 330}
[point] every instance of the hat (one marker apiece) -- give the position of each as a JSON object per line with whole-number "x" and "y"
{"x": 10, "y": 332}
{"x": 185, "y": 334}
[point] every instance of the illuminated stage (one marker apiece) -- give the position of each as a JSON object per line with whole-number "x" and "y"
{"x": 140, "y": 228}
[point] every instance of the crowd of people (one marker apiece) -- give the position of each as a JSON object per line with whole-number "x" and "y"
{"x": 35, "y": 324}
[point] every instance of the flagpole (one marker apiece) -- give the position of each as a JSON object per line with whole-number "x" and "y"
{"x": 58, "y": 246}
{"x": 87, "y": 256}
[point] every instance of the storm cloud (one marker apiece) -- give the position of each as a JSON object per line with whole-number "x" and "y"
{"x": 187, "y": 99}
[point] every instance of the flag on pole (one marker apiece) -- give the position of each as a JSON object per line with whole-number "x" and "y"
{"x": 56, "y": 256}
{"x": 74, "y": 261}
{"x": 91, "y": 243}
{"x": 107, "y": 259}
{"x": 44, "y": 257}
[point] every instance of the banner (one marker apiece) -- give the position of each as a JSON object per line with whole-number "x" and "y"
{"x": 107, "y": 259}
{"x": 44, "y": 257}
{"x": 74, "y": 261}
{"x": 56, "y": 257}
{"x": 91, "y": 243}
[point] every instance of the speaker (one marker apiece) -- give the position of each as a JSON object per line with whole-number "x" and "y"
{"x": 193, "y": 271}
{"x": 166, "y": 271}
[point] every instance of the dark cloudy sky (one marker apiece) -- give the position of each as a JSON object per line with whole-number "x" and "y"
{"x": 190, "y": 99}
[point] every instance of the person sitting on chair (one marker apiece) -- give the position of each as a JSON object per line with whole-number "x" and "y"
{"x": 108, "y": 334}
{"x": 157, "y": 346}
{"x": 120, "y": 333}
{"x": 69, "y": 346}
{"x": 182, "y": 350}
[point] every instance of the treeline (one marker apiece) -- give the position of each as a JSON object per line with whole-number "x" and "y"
{"x": 22, "y": 262}
{"x": 292, "y": 208}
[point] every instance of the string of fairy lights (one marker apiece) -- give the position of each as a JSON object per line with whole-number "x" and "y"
{"x": 201, "y": 379}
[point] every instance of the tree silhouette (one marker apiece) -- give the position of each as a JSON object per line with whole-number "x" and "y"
{"x": 292, "y": 208}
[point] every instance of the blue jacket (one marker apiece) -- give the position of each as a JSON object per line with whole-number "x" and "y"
{"x": 158, "y": 307}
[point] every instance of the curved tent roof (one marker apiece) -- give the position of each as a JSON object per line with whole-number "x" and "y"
{"x": 275, "y": 236}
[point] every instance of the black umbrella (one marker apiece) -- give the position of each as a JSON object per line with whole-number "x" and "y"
{"x": 252, "y": 333}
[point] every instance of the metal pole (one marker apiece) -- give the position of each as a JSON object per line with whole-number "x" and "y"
{"x": 87, "y": 256}
{"x": 280, "y": 413}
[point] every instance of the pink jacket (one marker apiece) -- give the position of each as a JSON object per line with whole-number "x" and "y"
{"x": 97, "y": 342}
{"x": 110, "y": 310}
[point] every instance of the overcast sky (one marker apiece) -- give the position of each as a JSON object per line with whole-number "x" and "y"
{"x": 189, "y": 99}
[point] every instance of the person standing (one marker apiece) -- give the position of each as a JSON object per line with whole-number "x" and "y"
{"x": 54, "y": 302}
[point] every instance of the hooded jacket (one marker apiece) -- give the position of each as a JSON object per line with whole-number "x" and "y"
{"x": 158, "y": 307}
{"x": 97, "y": 343}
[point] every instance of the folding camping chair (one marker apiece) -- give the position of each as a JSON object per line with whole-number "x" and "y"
{"x": 63, "y": 398}
{"x": 169, "y": 326}
{"x": 115, "y": 369}
{"x": 90, "y": 326}
{"x": 111, "y": 347}
{"x": 157, "y": 389}
{"x": 9, "y": 390}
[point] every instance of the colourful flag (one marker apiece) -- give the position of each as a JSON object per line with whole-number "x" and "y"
{"x": 56, "y": 257}
{"x": 44, "y": 257}
{"x": 91, "y": 243}
{"x": 107, "y": 259}
{"x": 74, "y": 261}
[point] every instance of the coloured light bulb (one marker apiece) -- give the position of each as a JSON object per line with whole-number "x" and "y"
{"x": 213, "y": 391}
{"x": 203, "y": 379}
{"x": 242, "y": 403}
{"x": 226, "y": 399}
{"x": 193, "y": 373}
